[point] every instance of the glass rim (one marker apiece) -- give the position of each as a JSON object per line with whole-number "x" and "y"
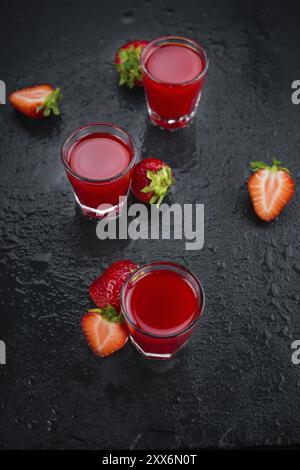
{"x": 195, "y": 44}
{"x": 64, "y": 152}
{"x": 176, "y": 268}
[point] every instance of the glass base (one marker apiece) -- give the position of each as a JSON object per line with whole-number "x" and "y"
{"x": 172, "y": 124}
{"x": 111, "y": 211}
{"x": 149, "y": 355}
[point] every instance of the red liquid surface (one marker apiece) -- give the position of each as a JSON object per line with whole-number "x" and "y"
{"x": 169, "y": 68}
{"x": 174, "y": 64}
{"x": 162, "y": 303}
{"x": 99, "y": 156}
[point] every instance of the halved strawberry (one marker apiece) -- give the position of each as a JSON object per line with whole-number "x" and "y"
{"x": 37, "y": 102}
{"x": 104, "y": 330}
{"x": 105, "y": 289}
{"x": 270, "y": 188}
{"x": 127, "y": 62}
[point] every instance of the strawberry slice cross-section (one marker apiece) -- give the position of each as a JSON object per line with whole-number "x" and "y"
{"x": 37, "y": 102}
{"x": 270, "y": 188}
{"x": 104, "y": 330}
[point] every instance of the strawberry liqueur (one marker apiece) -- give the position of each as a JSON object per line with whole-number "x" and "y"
{"x": 89, "y": 156}
{"x": 174, "y": 70}
{"x": 99, "y": 161}
{"x": 161, "y": 303}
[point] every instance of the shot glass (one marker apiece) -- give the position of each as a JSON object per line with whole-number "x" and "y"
{"x": 174, "y": 69}
{"x": 99, "y": 159}
{"x": 161, "y": 303}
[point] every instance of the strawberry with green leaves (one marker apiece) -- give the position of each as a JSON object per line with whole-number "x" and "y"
{"x": 37, "y": 102}
{"x": 270, "y": 187}
{"x": 127, "y": 62}
{"x": 104, "y": 330}
{"x": 103, "y": 327}
{"x": 152, "y": 180}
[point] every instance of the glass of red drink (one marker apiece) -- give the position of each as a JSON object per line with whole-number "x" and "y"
{"x": 99, "y": 161}
{"x": 174, "y": 70}
{"x": 161, "y": 303}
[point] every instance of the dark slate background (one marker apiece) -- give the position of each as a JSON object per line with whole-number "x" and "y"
{"x": 235, "y": 385}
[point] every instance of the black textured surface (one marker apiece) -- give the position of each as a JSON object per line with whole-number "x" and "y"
{"x": 235, "y": 385}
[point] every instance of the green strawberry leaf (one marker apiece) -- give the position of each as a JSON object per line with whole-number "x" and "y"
{"x": 109, "y": 313}
{"x": 160, "y": 183}
{"x": 51, "y": 103}
{"x": 258, "y": 165}
{"x": 129, "y": 67}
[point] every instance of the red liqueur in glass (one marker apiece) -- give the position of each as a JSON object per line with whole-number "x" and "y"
{"x": 174, "y": 69}
{"x": 99, "y": 161}
{"x": 162, "y": 303}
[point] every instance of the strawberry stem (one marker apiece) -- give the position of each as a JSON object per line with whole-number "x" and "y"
{"x": 160, "y": 183}
{"x": 109, "y": 313}
{"x": 51, "y": 103}
{"x": 258, "y": 165}
{"x": 129, "y": 66}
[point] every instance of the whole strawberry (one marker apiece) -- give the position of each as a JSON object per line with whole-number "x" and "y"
{"x": 152, "y": 179}
{"x": 127, "y": 62}
{"x": 106, "y": 289}
{"x": 37, "y": 102}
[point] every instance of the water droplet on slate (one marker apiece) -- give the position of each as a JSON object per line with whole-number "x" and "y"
{"x": 269, "y": 261}
{"x": 127, "y": 17}
{"x": 297, "y": 268}
{"x": 169, "y": 11}
{"x": 41, "y": 259}
{"x": 274, "y": 289}
{"x": 221, "y": 264}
